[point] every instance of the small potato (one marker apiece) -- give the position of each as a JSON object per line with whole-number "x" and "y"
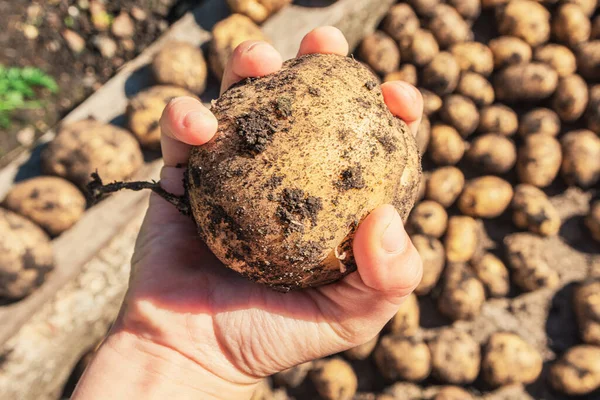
{"x": 461, "y": 239}
{"x": 432, "y": 254}
{"x": 492, "y": 153}
{"x": 532, "y": 210}
{"x": 421, "y": 49}
{"x": 525, "y": 82}
{"x": 400, "y": 357}
{"x": 570, "y": 25}
{"x": 462, "y": 294}
{"x": 474, "y": 57}
{"x": 509, "y": 50}
{"x": 571, "y": 98}
{"x": 401, "y": 23}
{"x": 431, "y": 102}
{"x": 428, "y": 218}
{"x": 485, "y": 197}
{"x": 293, "y": 377}
{"x": 540, "y": 120}
{"x": 592, "y": 115}
{"x": 461, "y": 113}
{"x": 334, "y": 379}
{"x": 406, "y": 73}
{"x": 448, "y": 26}
{"x": 539, "y": 160}
{"x": 588, "y": 59}
{"x": 424, "y": 134}
{"x": 446, "y": 146}
{"x": 508, "y": 359}
{"x": 558, "y": 57}
{"x": 424, "y": 8}
{"x": 228, "y": 34}
{"x": 145, "y": 109}
{"x": 52, "y": 203}
{"x": 468, "y": 9}
{"x": 592, "y": 221}
{"x": 453, "y": 393}
{"x": 445, "y": 185}
{"x": 441, "y": 74}
{"x": 477, "y": 88}
{"x": 181, "y": 64}
{"x": 498, "y": 118}
{"x": 455, "y": 357}
{"x": 525, "y": 257}
{"x": 257, "y": 10}
{"x": 363, "y": 351}
{"x": 586, "y": 302}
{"x": 577, "y": 372}
{"x": 406, "y": 320}
{"x": 492, "y": 272}
{"x": 380, "y": 52}
{"x": 525, "y": 19}
{"x": 581, "y": 158}
{"x": 26, "y": 256}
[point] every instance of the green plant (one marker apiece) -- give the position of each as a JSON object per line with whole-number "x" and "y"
{"x": 17, "y": 90}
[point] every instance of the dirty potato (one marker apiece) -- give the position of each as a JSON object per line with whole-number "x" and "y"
{"x": 363, "y": 351}
{"x": 586, "y": 302}
{"x": 462, "y": 293}
{"x": 525, "y": 256}
{"x": 577, "y": 372}
{"x": 428, "y": 218}
{"x": 570, "y": 25}
{"x": 498, "y": 118}
{"x": 558, "y": 57}
{"x": 540, "y": 120}
{"x": 477, "y": 88}
{"x": 432, "y": 254}
{"x": 525, "y": 19}
{"x": 406, "y": 320}
{"x": 461, "y": 113}
{"x": 448, "y": 26}
{"x": 474, "y": 57}
{"x": 380, "y": 52}
{"x": 441, "y": 74}
{"x": 592, "y": 220}
{"x": 431, "y": 102}
{"x": 401, "y": 23}
{"x": 445, "y": 185}
{"x": 400, "y": 357}
{"x": 181, "y": 64}
{"x": 571, "y": 98}
{"x": 257, "y": 10}
{"x": 334, "y": 379}
{"x": 485, "y": 197}
{"x": 581, "y": 158}
{"x": 539, "y": 160}
{"x": 492, "y": 272}
{"x": 509, "y": 50}
{"x": 492, "y": 153}
{"x": 421, "y": 49}
{"x": 455, "y": 357}
{"x": 588, "y": 59}
{"x": 406, "y": 73}
{"x": 525, "y": 82}
{"x": 533, "y": 211}
{"x": 446, "y": 146}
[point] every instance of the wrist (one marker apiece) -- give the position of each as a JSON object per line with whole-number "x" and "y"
{"x": 129, "y": 367}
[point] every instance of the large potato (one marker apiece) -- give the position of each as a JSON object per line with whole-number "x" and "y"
{"x": 181, "y": 64}
{"x": 492, "y": 153}
{"x": 406, "y": 320}
{"x": 485, "y": 197}
{"x": 525, "y": 82}
{"x": 441, "y": 74}
{"x": 461, "y": 113}
{"x": 498, "y": 118}
{"x": 570, "y": 25}
{"x": 586, "y": 301}
{"x": 581, "y": 158}
{"x": 455, "y": 357}
{"x": 278, "y": 202}
{"x": 477, "y": 88}
{"x": 257, "y": 10}
{"x": 492, "y": 272}
{"x": 539, "y": 160}
{"x": 532, "y": 210}
{"x": 525, "y": 19}
{"x": 334, "y": 379}
{"x": 432, "y": 254}
{"x": 401, "y": 357}
{"x": 446, "y": 146}
{"x": 445, "y": 185}
{"x": 571, "y": 98}
{"x": 25, "y": 255}
{"x": 380, "y": 52}
{"x": 577, "y": 372}
{"x": 509, "y": 50}
{"x": 462, "y": 294}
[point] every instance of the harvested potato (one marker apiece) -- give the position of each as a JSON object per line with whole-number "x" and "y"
{"x": 461, "y": 113}
{"x": 539, "y": 160}
{"x": 406, "y": 73}
{"x": 498, "y": 118}
{"x": 588, "y": 59}
{"x": 293, "y": 377}
{"x": 462, "y": 294}
{"x": 586, "y": 302}
{"x": 87, "y": 146}
{"x": 577, "y": 372}
{"x": 571, "y": 98}
{"x": 525, "y": 257}
{"x": 428, "y": 218}
{"x": 448, "y": 26}
{"x": 421, "y": 49}
{"x": 473, "y": 57}
{"x": 432, "y": 254}
{"x": 461, "y": 239}
{"x": 453, "y": 393}
{"x": 533, "y": 211}
{"x": 228, "y": 34}
{"x": 298, "y": 238}
{"x": 441, "y": 74}
{"x": 558, "y": 57}
{"x": 334, "y": 379}
{"x": 423, "y": 134}
{"x": 468, "y": 9}
{"x": 570, "y": 25}
{"x": 592, "y": 115}
{"x": 380, "y": 52}
{"x": 401, "y": 357}
{"x": 401, "y": 23}
{"x": 406, "y": 320}
{"x": 145, "y": 109}
{"x": 445, "y": 185}
{"x": 181, "y": 64}
{"x": 581, "y": 158}
{"x": 509, "y": 359}
{"x": 431, "y": 102}
{"x": 476, "y": 88}
{"x": 492, "y": 153}
{"x": 525, "y": 19}
{"x": 52, "y": 203}
{"x": 363, "y": 351}
{"x": 455, "y": 357}
{"x": 540, "y": 120}
{"x": 424, "y": 8}
{"x": 525, "y": 82}
{"x": 492, "y": 272}
{"x": 26, "y": 256}
{"x": 592, "y": 221}
{"x": 446, "y": 146}
{"x": 485, "y": 197}
{"x": 257, "y": 10}
{"x": 509, "y": 50}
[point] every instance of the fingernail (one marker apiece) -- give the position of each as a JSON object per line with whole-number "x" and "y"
{"x": 193, "y": 119}
{"x": 408, "y": 89}
{"x": 394, "y": 237}
{"x": 255, "y": 45}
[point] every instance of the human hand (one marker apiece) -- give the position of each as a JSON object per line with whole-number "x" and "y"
{"x": 209, "y": 332}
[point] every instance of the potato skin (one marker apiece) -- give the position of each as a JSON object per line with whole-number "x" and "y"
{"x": 540, "y": 120}
{"x": 227, "y": 34}
{"x": 473, "y": 57}
{"x": 257, "y": 10}
{"x": 406, "y": 320}
{"x": 509, "y": 50}
{"x": 570, "y": 25}
{"x": 181, "y": 64}
{"x": 446, "y": 146}
{"x": 492, "y": 153}
{"x": 498, "y": 118}
{"x": 406, "y": 73}
{"x": 448, "y": 26}
{"x": 52, "y": 203}
{"x": 588, "y": 59}
{"x": 592, "y": 116}
{"x": 421, "y": 49}
{"x": 145, "y": 109}
{"x": 432, "y": 254}
{"x": 509, "y": 359}
{"x": 539, "y": 160}
{"x": 334, "y": 379}
{"x": 461, "y": 239}
{"x": 380, "y": 52}
{"x": 577, "y": 372}
{"x": 445, "y": 185}
{"x": 400, "y": 357}
{"x": 87, "y": 146}
{"x": 581, "y": 158}
{"x": 558, "y": 57}
{"x": 530, "y": 269}
{"x": 462, "y": 294}
{"x": 587, "y": 310}
{"x": 428, "y": 218}
{"x": 431, "y": 102}
{"x": 525, "y": 19}
{"x": 485, "y": 197}
{"x": 476, "y": 88}
{"x": 441, "y": 74}
{"x": 461, "y": 113}
{"x": 525, "y": 82}
{"x": 533, "y": 211}
{"x": 492, "y": 272}
{"x": 292, "y": 241}
{"x": 571, "y": 98}
{"x": 592, "y": 221}
{"x": 401, "y": 23}
{"x": 455, "y": 357}
{"x": 26, "y": 256}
